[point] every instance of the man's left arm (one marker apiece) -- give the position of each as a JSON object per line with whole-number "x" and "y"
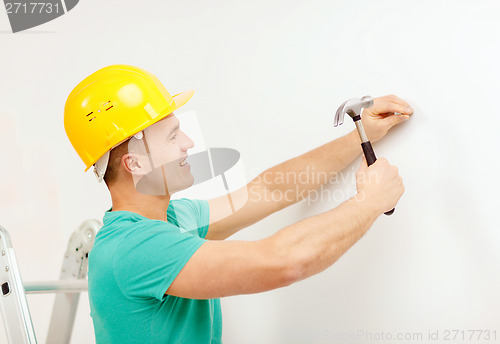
{"x": 280, "y": 186}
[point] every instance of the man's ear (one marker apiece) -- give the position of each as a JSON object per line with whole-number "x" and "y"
{"x": 135, "y": 164}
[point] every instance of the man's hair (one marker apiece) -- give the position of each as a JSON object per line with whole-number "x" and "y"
{"x": 115, "y": 157}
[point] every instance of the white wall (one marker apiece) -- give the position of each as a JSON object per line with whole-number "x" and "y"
{"x": 268, "y": 76}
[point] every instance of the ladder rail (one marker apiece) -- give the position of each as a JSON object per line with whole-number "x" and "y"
{"x": 15, "y": 311}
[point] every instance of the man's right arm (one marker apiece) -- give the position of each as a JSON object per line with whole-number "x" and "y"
{"x": 225, "y": 268}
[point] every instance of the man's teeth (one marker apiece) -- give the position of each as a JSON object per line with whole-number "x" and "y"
{"x": 183, "y": 162}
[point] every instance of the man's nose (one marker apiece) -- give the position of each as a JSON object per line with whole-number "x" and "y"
{"x": 187, "y": 143}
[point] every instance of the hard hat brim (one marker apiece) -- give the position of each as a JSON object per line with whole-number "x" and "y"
{"x": 182, "y": 98}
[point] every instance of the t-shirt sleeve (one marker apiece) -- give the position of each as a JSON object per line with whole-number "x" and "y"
{"x": 203, "y": 218}
{"x": 149, "y": 259}
{"x": 193, "y": 214}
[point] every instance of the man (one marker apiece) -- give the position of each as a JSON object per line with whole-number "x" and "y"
{"x": 158, "y": 267}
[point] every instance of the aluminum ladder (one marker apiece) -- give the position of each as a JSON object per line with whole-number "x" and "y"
{"x": 72, "y": 281}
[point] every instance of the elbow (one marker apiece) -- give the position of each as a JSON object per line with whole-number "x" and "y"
{"x": 294, "y": 268}
{"x": 292, "y": 273}
{"x": 302, "y": 262}
{"x": 286, "y": 264}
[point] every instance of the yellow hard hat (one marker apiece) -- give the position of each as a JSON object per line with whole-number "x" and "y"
{"x": 110, "y": 106}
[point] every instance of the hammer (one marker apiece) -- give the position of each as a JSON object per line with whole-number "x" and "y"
{"x": 353, "y": 108}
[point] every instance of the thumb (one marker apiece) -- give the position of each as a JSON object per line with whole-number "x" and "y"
{"x": 364, "y": 164}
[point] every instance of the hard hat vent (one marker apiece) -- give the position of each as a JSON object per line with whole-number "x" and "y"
{"x": 90, "y": 118}
{"x": 106, "y": 106}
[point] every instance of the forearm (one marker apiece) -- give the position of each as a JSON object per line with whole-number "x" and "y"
{"x": 317, "y": 242}
{"x": 280, "y": 186}
{"x": 310, "y": 170}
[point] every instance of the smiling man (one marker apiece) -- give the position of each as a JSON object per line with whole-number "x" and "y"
{"x": 159, "y": 266}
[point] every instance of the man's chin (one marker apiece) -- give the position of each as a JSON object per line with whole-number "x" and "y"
{"x": 185, "y": 185}
{"x": 181, "y": 185}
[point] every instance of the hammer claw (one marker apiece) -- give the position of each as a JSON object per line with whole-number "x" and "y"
{"x": 339, "y": 115}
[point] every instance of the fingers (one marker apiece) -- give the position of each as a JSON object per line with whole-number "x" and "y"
{"x": 395, "y": 119}
{"x": 391, "y": 104}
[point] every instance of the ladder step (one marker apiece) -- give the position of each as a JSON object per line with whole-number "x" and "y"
{"x": 60, "y": 286}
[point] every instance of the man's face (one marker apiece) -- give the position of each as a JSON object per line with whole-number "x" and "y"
{"x": 162, "y": 153}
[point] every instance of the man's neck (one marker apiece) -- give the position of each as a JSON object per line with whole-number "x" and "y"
{"x": 152, "y": 207}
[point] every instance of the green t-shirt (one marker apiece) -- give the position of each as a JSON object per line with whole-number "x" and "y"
{"x": 133, "y": 262}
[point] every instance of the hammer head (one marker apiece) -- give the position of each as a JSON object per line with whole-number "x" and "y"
{"x": 353, "y": 108}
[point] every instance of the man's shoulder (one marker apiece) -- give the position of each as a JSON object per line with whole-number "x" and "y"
{"x": 189, "y": 207}
{"x": 185, "y": 204}
{"x": 189, "y": 214}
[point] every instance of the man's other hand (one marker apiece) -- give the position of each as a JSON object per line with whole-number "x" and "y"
{"x": 380, "y": 184}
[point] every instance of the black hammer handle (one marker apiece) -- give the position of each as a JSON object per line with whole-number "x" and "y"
{"x": 370, "y": 159}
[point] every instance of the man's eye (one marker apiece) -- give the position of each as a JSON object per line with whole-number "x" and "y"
{"x": 174, "y": 137}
